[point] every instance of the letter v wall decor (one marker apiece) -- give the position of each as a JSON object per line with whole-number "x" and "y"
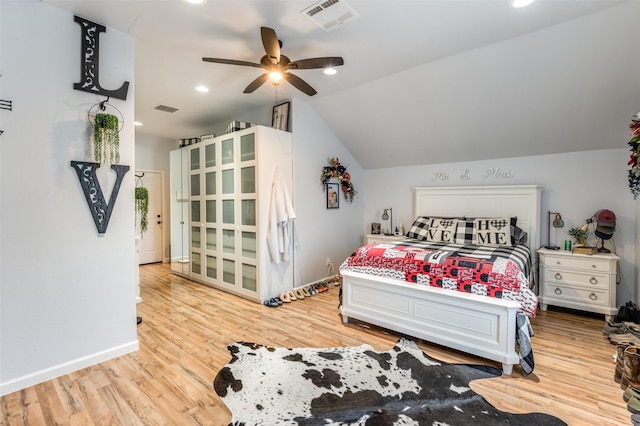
{"x": 100, "y": 209}
{"x": 90, "y": 61}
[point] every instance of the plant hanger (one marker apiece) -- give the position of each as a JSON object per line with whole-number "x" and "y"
{"x": 139, "y": 183}
{"x": 101, "y": 107}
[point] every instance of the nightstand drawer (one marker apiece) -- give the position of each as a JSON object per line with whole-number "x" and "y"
{"x": 555, "y": 276}
{"x": 584, "y": 263}
{"x": 584, "y": 296}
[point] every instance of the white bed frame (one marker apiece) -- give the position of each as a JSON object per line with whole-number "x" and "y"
{"x": 481, "y": 326}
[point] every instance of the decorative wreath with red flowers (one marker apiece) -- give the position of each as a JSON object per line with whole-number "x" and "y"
{"x": 335, "y": 170}
{"x": 634, "y": 162}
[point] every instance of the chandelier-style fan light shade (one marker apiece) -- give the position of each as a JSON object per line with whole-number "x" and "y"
{"x": 521, "y": 3}
{"x": 276, "y": 63}
{"x": 556, "y": 223}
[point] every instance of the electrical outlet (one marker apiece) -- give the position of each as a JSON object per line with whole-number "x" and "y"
{"x": 329, "y": 264}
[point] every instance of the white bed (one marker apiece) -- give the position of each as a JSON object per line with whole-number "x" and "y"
{"x": 482, "y": 326}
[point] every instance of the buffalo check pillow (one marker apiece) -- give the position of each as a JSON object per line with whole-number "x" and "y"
{"x": 419, "y": 228}
{"x": 494, "y": 231}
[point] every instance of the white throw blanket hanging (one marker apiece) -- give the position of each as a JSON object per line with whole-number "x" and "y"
{"x": 281, "y": 215}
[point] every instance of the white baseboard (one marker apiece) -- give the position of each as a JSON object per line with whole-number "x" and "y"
{"x": 66, "y": 368}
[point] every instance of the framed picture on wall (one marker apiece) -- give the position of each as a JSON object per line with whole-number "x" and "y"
{"x": 333, "y": 199}
{"x": 280, "y": 118}
{"x": 375, "y": 228}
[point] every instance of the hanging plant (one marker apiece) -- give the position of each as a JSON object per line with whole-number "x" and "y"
{"x": 336, "y": 170}
{"x": 142, "y": 207}
{"x": 106, "y": 138}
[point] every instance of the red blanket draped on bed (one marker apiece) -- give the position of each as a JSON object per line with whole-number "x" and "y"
{"x": 492, "y": 272}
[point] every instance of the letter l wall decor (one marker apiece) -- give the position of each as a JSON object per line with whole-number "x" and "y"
{"x": 90, "y": 61}
{"x": 100, "y": 209}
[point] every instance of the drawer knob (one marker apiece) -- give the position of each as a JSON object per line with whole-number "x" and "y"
{"x": 593, "y": 280}
{"x": 558, "y": 291}
{"x": 593, "y": 296}
{"x": 593, "y": 266}
{"x": 558, "y": 276}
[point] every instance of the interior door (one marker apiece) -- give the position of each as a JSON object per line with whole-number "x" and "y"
{"x": 150, "y": 249}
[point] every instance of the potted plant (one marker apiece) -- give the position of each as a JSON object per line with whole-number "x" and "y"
{"x": 106, "y": 137}
{"x": 580, "y": 235}
{"x": 142, "y": 207}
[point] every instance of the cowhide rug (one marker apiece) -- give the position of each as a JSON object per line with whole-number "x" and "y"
{"x": 356, "y": 386}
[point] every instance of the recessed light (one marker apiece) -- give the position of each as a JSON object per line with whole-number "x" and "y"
{"x": 202, "y": 89}
{"x": 195, "y": 1}
{"x": 330, "y": 71}
{"x": 137, "y": 123}
{"x": 521, "y": 3}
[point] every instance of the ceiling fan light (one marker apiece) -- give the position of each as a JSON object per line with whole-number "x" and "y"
{"x": 275, "y": 76}
{"x": 330, "y": 71}
{"x": 521, "y": 3}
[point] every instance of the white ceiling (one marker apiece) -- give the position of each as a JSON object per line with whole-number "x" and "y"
{"x": 389, "y": 103}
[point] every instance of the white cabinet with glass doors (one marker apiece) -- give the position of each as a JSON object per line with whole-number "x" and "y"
{"x": 230, "y": 179}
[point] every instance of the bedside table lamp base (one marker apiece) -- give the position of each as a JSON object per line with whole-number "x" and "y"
{"x": 556, "y": 223}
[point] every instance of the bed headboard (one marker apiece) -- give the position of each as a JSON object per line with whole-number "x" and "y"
{"x": 522, "y": 201}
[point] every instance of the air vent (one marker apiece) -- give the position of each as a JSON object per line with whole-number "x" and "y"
{"x": 166, "y": 108}
{"x": 328, "y": 14}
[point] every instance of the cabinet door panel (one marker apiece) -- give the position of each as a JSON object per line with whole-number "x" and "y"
{"x": 249, "y": 245}
{"x": 228, "y": 271}
{"x": 227, "y": 151}
{"x": 248, "y": 180}
{"x": 249, "y": 277}
{"x": 210, "y": 183}
{"x": 228, "y": 212}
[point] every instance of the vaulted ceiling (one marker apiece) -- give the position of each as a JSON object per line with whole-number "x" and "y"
{"x": 423, "y": 82}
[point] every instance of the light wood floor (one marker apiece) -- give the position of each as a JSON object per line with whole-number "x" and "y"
{"x": 183, "y": 344}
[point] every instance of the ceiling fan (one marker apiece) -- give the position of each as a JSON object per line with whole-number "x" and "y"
{"x": 278, "y": 65}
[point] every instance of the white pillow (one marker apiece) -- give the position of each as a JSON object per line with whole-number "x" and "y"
{"x": 494, "y": 231}
{"x": 442, "y": 230}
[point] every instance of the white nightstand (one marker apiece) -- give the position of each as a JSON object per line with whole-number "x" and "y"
{"x": 381, "y": 238}
{"x": 578, "y": 281}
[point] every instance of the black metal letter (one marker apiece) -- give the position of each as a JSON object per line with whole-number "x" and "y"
{"x": 100, "y": 210}
{"x": 90, "y": 61}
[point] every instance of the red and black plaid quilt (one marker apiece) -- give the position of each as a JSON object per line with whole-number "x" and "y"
{"x": 493, "y": 271}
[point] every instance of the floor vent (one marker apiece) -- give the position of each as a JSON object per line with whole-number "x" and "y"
{"x": 166, "y": 108}
{"x": 328, "y": 14}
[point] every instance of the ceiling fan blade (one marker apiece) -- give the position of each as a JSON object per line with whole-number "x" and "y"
{"x": 271, "y": 44}
{"x": 299, "y": 84}
{"x": 313, "y": 63}
{"x": 232, "y": 62}
{"x": 256, "y": 83}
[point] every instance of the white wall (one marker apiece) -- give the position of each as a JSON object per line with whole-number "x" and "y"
{"x": 67, "y": 294}
{"x": 322, "y": 232}
{"x": 575, "y": 184}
